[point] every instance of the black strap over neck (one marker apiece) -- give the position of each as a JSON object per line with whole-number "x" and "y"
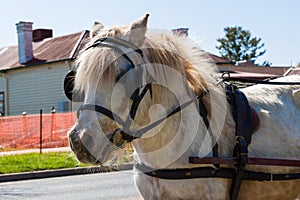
{"x": 204, "y": 114}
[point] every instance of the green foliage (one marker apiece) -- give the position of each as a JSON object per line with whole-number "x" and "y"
{"x": 266, "y": 63}
{"x": 238, "y": 45}
{"x": 36, "y": 161}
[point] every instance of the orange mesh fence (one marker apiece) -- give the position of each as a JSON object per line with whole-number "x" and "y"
{"x": 23, "y": 132}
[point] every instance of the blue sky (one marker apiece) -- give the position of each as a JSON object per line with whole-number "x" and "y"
{"x": 276, "y": 22}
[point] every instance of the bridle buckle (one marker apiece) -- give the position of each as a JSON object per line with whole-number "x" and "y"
{"x": 117, "y": 138}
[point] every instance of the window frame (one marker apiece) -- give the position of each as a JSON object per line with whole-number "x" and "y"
{"x": 3, "y": 103}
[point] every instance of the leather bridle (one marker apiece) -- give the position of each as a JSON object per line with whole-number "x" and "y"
{"x": 124, "y": 47}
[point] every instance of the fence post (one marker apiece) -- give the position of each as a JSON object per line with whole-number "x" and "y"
{"x": 25, "y": 128}
{"x": 53, "y": 111}
{"x": 41, "y": 130}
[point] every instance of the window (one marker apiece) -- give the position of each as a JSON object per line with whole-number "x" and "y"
{"x": 2, "y": 105}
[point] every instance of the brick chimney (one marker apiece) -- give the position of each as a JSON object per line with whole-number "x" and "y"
{"x": 184, "y": 32}
{"x": 24, "y": 30}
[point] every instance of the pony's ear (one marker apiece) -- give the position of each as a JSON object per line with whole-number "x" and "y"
{"x": 138, "y": 30}
{"x": 97, "y": 27}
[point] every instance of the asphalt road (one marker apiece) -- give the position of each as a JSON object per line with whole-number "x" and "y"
{"x": 112, "y": 185}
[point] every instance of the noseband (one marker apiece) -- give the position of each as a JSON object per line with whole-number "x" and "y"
{"x": 124, "y": 47}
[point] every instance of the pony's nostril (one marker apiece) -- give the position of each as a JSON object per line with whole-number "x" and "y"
{"x": 74, "y": 135}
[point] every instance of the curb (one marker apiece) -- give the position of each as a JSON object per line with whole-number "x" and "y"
{"x": 61, "y": 172}
{"x": 45, "y": 150}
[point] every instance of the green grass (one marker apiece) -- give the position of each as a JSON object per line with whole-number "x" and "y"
{"x": 36, "y": 161}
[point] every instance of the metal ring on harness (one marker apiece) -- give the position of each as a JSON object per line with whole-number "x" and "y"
{"x": 117, "y": 138}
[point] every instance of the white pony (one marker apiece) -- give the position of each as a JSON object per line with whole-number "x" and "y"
{"x": 178, "y": 72}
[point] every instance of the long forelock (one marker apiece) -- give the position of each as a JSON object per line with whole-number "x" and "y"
{"x": 94, "y": 64}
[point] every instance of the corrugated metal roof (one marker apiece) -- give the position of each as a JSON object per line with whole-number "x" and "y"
{"x": 256, "y": 69}
{"x": 252, "y": 75}
{"x": 48, "y": 50}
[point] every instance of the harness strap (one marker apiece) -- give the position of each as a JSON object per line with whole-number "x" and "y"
{"x": 107, "y": 41}
{"x": 102, "y": 110}
{"x": 138, "y": 100}
{"x": 203, "y": 113}
{"x": 186, "y": 173}
{"x": 211, "y": 172}
{"x": 243, "y": 130}
{"x": 126, "y": 133}
{"x": 251, "y": 161}
{"x": 141, "y": 131}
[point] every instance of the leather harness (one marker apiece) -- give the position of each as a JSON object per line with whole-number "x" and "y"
{"x": 245, "y": 118}
{"x": 247, "y": 122}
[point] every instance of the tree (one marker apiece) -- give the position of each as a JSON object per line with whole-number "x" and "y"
{"x": 238, "y": 45}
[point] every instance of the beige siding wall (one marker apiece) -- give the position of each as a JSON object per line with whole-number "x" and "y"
{"x": 2, "y": 84}
{"x": 37, "y": 87}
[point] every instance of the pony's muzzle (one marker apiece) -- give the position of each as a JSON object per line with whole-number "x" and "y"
{"x": 78, "y": 146}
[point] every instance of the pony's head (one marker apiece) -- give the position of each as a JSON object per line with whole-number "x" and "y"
{"x": 122, "y": 73}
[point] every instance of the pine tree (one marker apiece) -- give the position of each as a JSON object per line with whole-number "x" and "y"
{"x": 239, "y": 45}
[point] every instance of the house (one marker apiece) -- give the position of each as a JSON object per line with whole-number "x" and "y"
{"x": 247, "y": 70}
{"x": 32, "y": 72}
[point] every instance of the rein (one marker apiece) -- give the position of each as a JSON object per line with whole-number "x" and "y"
{"x": 226, "y": 77}
{"x": 266, "y": 82}
{"x": 212, "y": 172}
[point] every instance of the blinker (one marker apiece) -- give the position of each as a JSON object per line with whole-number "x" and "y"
{"x": 69, "y": 91}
